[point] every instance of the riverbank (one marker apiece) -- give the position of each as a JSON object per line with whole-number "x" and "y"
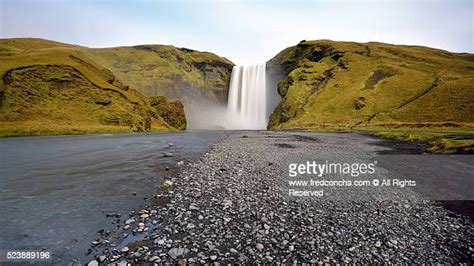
{"x": 48, "y": 128}
{"x": 232, "y": 206}
{"x": 440, "y": 141}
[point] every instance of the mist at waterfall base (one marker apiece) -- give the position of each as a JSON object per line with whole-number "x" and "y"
{"x": 251, "y": 100}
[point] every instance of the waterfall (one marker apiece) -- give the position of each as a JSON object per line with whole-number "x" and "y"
{"x": 247, "y": 106}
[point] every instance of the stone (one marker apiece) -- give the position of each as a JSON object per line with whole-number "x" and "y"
{"x": 193, "y": 207}
{"x": 167, "y": 183}
{"x": 227, "y": 203}
{"x": 177, "y": 252}
{"x": 154, "y": 258}
{"x": 159, "y": 241}
{"x": 93, "y": 263}
{"x": 130, "y": 221}
{"x": 259, "y": 246}
{"x": 378, "y": 244}
{"x": 137, "y": 254}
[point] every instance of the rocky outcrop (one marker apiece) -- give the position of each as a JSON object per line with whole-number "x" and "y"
{"x": 217, "y": 76}
{"x": 171, "y": 111}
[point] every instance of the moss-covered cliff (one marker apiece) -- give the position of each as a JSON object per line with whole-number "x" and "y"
{"x": 164, "y": 70}
{"x": 327, "y": 84}
{"x": 54, "y": 88}
{"x": 171, "y": 111}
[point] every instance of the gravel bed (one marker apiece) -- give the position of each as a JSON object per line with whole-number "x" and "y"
{"x": 230, "y": 206}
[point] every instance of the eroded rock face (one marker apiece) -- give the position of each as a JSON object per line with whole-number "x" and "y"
{"x": 217, "y": 76}
{"x": 171, "y": 111}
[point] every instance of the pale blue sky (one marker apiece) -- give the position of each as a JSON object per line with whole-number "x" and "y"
{"x": 244, "y": 31}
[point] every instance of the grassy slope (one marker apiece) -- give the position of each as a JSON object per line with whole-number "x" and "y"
{"x": 448, "y": 141}
{"x": 395, "y": 90}
{"x": 349, "y": 85}
{"x": 55, "y": 88}
{"x": 164, "y": 70}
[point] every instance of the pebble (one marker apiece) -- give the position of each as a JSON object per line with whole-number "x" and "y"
{"x": 193, "y": 207}
{"x": 93, "y": 263}
{"x": 101, "y": 258}
{"x": 378, "y": 244}
{"x": 167, "y": 183}
{"x": 159, "y": 241}
{"x": 177, "y": 252}
{"x": 154, "y": 258}
{"x": 129, "y": 221}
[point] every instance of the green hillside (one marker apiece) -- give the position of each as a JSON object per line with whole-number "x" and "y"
{"x": 346, "y": 85}
{"x": 164, "y": 70}
{"x": 53, "y": 88}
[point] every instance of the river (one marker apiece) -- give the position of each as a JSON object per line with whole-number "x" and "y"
{"x": 55, "y": 191}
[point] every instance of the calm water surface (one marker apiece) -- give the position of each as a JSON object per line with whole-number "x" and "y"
{"x": 55, "y": 191}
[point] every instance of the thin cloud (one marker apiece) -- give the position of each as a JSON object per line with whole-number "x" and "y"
{"x": 243, "y": 31}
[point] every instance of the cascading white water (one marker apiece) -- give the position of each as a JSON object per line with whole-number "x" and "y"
{"x": 247, "y": 103}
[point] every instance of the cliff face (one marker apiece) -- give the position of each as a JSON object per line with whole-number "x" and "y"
{"x": 171, "y": 111}
{"x": 162, "y": 70}
{"x": 345, "y": 85}
{"x": 54, "y": 88}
